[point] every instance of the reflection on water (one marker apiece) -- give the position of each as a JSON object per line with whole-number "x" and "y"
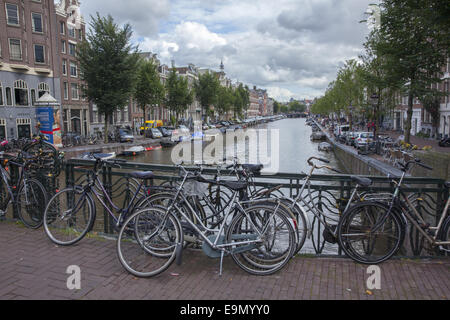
{"x": 294, "y": 148}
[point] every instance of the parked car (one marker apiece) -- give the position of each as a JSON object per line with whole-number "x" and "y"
{"x": 165, "y": 131}
{"x": 154, "y": 133}
{"x": 338, "y": 130}
{"x": 444, "y": 142}
{"x": 124, "y": 135}
{"x": 363, "y": 139}
{"x": 350, "y": 138}
{"x": 180, "y": 133}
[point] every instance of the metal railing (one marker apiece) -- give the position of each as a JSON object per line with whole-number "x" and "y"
{"x": 328, "y": 192}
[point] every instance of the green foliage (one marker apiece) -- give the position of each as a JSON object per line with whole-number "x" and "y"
{"x": 149, "y": 90}
{"x": 108, "y": 64}
{"x": 179, "y": 96}
{"x": 206, "y": 91}
{"x": 241, "y": 100}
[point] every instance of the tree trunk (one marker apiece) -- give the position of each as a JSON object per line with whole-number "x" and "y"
{"x": 106, "y": 129}
{"x": 409, "y": 114}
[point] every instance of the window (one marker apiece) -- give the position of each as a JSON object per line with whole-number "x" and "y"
{"x": 74, "y": 91}
{"x": 12, "y": 13}
{"x": 73, "y": 69}
{"x": 71, "y": 31}
{"x": 1, "y": 94}
{"x": 21, "y": 93}
{"x": 39, "y": 53}
{"x": 36, "y": 20}
{"x": 43, "y": 88}
{"x": 64, "y": 67}
{"x": 8, "y": 97}
{"x": 3, "y": 129}
{"x": 63, "y": 46}
{"x": 72, "y": 49}
{"x": 66, "y": 91}
{"x": 15, "y": 49}
{"x": 80, "y": 34}
{"x": 33, "y": 96}
{"x": 62, "y": 27}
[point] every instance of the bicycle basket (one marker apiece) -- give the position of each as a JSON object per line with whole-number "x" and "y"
{"x": 194, "y": 188}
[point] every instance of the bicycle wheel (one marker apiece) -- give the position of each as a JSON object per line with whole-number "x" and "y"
{"x": 300, "y": 224}
{"x": 365, "y": 237}
{"x": 31, "y": 202}
{"x": 148, "y": 242}
{"x": 445, "y": 235}
{"x": 5, "y": 197}
{"x": 277, "y": 242}
{"x": 69, "y": 216}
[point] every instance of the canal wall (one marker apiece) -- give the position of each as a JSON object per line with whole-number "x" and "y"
{"x": 359, "y": 164}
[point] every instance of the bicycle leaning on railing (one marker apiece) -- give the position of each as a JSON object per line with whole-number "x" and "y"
{"x": 31, "y": 197}
{"x": 71, "y": 212}
{"x": 373, "y": 231}
{"x": 257, "y": 234}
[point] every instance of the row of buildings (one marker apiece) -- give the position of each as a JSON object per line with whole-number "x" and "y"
{"x": 38, "y": 56}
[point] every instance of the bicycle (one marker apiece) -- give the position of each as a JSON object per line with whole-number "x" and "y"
{"x": 373, "y": 231}
{"x": 259, "y": 238}
{"x": 71, "y": 212}
{"x": 31, "y": 197}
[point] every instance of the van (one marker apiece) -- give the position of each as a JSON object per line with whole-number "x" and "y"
{"x": 339, "y": 130}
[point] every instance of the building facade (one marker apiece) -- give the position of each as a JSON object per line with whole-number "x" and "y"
{"x": 27, "y": 64}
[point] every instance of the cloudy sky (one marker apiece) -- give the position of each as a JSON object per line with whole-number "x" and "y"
{"x": 292, "y": 48}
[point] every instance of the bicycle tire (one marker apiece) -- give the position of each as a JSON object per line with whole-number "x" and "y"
{"x": 445, "y": 235}
{"x": 266, "y": 258}
{"x": 86, "y": 218}
{"x": 32, "y": 214}
{"x": 156, "y": 225}
{"x": 358, "y": 241}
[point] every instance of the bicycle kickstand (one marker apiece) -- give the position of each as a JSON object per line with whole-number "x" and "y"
{"x": 221, "y": 262}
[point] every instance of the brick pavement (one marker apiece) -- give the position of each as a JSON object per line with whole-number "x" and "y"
{"x": 31, "y": 267}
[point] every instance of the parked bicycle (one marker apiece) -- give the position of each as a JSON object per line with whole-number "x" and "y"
{"x": 260, "y": 238}
{"x": 28, "y": 195}
{"x": 71, "y": 212}
{"x": 372, "y": 231}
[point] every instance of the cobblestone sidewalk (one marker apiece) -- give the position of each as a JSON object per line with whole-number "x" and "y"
{"x": 31, "y": 267}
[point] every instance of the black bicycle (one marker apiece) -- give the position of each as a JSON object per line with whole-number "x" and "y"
{"x": 31, "y": 197}
{"x": 71, "y": 213}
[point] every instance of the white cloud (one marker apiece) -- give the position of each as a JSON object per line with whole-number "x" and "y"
{"x": 293, "y": 47}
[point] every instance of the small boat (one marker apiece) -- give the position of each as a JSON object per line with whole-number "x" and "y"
{"x": 325, "y": 146}
{"x": 133, "y": 151}
{"x": 103, "y": 156}
{"x": 318, "y": 136}
{"x": 167, "y": 143}
{"x": 153, "y": 148}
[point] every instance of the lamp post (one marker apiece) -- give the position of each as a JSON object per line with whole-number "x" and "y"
{"x": 375, "y": 99}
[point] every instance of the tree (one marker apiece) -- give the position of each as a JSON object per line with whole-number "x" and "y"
{"x": 296, "y": 106}
{"x": 149, "y": 90}
{"x": 179, "y": 96}
{"x": 225, "y": 99}
{"x": 414, "y": 45}
{"x": 276, "y": 107}
{"x": 206, "y": 90}
{"x": 108, "y": 64}
{"x": 241, "y": 100}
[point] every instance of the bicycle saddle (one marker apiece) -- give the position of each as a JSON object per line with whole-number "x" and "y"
{"x": 142, "y": 175}
{"x": 364, "y": 182}
{"x": 236, "y": 186}
{"x": 253, "y": 168}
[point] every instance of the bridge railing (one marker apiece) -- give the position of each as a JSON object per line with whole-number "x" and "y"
{"x": 328, "y": 193}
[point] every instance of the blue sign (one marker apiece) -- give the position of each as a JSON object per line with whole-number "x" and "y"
{"x": 46, "y": 119}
